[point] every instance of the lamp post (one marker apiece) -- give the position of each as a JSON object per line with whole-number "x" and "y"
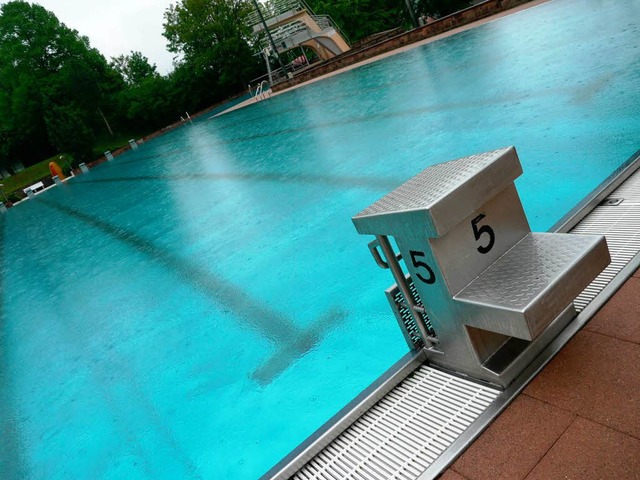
{"x": 266, "y": 29}
{"x": 63, "y": 157}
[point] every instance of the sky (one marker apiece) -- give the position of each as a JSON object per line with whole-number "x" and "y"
{"x": 117, "y": 27}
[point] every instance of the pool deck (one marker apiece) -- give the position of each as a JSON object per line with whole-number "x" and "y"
{"x": 580, "y": 417}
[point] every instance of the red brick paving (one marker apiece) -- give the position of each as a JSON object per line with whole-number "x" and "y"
{"x": 580, "y": 417}
{"x": 613, "y": 318}
{"x": 515, "y": 442}
{"x": 596, "y": 377}
{"x": 451, "y": 475}
{"x": 588, "y": 451}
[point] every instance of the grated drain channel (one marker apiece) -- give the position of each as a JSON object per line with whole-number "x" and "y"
{"x": 620, "y": 224}
{"x": 401, "y": 435}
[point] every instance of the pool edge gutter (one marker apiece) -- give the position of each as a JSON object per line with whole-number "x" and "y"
{"x": 346, "y": 416}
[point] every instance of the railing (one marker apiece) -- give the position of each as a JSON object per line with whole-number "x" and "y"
{"x": 325, "y": 22}
{"x": 261, "y": 93}
{"x": 283, "y": 32}
{"x": 280, "y": 34}
{"x": 277, "y": 7}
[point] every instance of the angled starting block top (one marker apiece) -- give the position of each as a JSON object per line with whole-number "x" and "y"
{"x": 441, "y": 196}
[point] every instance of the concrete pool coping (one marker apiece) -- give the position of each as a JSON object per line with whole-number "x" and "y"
{"x": 454, "y": 31}
{"x": 497, "y": 436}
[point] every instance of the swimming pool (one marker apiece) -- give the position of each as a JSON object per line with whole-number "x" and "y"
{"x": 196, "y": 308}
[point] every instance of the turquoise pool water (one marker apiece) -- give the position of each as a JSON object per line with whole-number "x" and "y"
{"x": 198, "y": 307}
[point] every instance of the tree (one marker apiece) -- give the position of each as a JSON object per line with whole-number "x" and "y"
{"x": 134, "y": 68}
{"x": 213, "y": 36}
{"x": 69, "y": 133}
{"x": 45, "y": 66}
{"x": 440, "y": 8}
{"x": 361, "y": 18}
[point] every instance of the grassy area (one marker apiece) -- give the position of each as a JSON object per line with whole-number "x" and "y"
{"x": 30, "y": 175}
{"x": 112, "y": 143}
{"x": 34, "y": 173}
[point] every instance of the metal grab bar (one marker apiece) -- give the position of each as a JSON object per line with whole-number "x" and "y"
{"x": 401, "y": 281}
{"x": 261, "y": 93}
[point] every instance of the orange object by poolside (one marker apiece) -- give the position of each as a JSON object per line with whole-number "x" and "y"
{"x": 55, "y": 169}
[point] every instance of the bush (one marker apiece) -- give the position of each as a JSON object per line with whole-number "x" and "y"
{"x": 14, "y": 197}
{"x": 68, "y": 131}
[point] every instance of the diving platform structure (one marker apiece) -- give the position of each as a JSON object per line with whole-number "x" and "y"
{"x": 293, "y": 24}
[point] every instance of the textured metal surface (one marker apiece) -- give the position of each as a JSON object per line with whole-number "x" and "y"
{"x": 457, "y": 251}
{"x": 442, "y": 195}
{"x": 621, "y": 226}
{"x": 525, "y": 289}
{"x": 433, "y": 184}
{"x": 405, "y": 432}
{"x": 520, "y": 275}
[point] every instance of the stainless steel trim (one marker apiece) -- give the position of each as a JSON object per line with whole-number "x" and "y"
{"x": 602, "y": 191}
{"x": 401, "y": 281}
{"x": 346, "y": 416}
{"x": 406, "y": 430}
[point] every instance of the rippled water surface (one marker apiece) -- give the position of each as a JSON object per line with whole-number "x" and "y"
{"x": 196, "y": 308}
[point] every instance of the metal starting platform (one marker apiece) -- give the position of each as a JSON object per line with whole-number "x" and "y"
{"x": 483, "y": 304}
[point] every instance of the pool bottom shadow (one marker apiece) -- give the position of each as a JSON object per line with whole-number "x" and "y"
{"x": 291, "y": 341}
{"x": 304, "y": 342}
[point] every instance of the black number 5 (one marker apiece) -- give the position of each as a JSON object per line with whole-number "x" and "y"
{"x": 419, "y": 264}
{"x": 477, "y": 233}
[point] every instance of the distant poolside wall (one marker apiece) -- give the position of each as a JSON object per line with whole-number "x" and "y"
{"x": 442, "y": 25}
{"x": 157, "y": 133}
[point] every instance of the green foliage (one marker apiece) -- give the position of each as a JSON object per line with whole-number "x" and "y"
{"x": 440, "y": 8}
{"x": 58, "y": 94}
{"x": 134, "y": 68}
{"x": 68, "y": 131}
{"x": 48, "y": 74}
{"x": 212, "y": 36}
{"x": 28, "y": 176}
{"x": 361, "y": 18}
{"x": 13, "y": 197}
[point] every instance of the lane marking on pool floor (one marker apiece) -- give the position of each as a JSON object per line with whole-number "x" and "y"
{"x": 291, "y": 341}
{"x": 369, "y": 183}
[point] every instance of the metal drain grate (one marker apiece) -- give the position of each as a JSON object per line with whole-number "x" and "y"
{"x": 401, "y": 435}
{"x": 620, "y": 224}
